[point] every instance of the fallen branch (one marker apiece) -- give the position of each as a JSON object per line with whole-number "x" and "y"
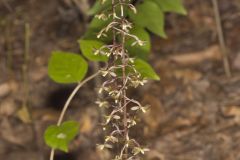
{"x": 193, "y": 58}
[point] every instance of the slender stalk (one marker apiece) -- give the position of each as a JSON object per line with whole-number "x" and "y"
{"x": 68, "y": 102}
{"x": 124, "y": 101}
{"x": 52, "y": 154}
{"x": 124, "y": 95}
{"x": 72, "y": 95}
{"x": 221, "y": 39}
{"x": 116, "y": 87}
{"x": 25, "y": 65}
{"x": 9, "y": 47}
{"x": 112, "y": 57}
{"x": 114, "y": 20}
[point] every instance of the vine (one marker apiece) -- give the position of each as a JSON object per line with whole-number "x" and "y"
{"x": 115, "y": 86}
{"x": 117, "y": 37}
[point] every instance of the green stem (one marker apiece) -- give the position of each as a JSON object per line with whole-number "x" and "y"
{"x": 68, "y": 103}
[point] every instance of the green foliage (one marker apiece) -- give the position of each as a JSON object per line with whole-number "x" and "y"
{"x": 89, "y": 47}
{"x": 171, "y": 6}
{"x": 145, "y": 70}
{"x": 58, "y": 137}
{"x": 66, "y": 67}
{"x": 98, "y": 7}
{"x": 94, "y": 28}
{"x": 149, "y": 15}
{"x": 136, "y": 50}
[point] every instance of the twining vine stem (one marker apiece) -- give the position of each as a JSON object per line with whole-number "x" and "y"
{"x": 80, "y": 84}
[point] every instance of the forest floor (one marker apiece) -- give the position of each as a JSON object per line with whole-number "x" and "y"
{"x": 195, "y": 108}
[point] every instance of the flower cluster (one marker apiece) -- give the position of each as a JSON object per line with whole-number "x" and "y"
{"x": 120, "y": 75}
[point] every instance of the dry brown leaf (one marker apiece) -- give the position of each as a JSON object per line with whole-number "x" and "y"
{"x": 155, "y": 115}
{"x": 15, "y": 132}
{"x": 45, "y": 114}
{"x": 155, "y": 155}
{"x": 86, "y": 124}
{"x": 232, "y": 111}
{"x": 187, "y": 75}
{"x": 193, "y": 58}
{"x": 38, "y": 75}
{"x": 236, "y": 62}
{"x": 23, "y": 155}
{"x": 7, "y": 88}
{"x": 7, "y": 107}
{"x": 24, "y": 115}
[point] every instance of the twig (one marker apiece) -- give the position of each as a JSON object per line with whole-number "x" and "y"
{"x": 25, "y": 65}
{"x": 68, "y": 102}
{"x": 221, "y": 38}
{"x": 124, "y": 63}
{"x": 7, "y": 6}
{"x": 72, "y": 95}
{"x": 8, "y": 41}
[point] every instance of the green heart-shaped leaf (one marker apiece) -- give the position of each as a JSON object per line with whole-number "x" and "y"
{"x": 66, "y": 67}
{"x": 149, "y": 15}
{"x": 98, "y": 7}
{"x": 145, "y": 70}
{"x": 95, "y": 27}
{"x": 136, "y": 50}
{"x": 58, "y": 137}
{"x": 88, "y": 47}
{"x": 172, "y": 6}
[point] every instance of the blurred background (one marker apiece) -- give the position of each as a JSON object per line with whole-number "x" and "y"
{"x": 195, "y": 108}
